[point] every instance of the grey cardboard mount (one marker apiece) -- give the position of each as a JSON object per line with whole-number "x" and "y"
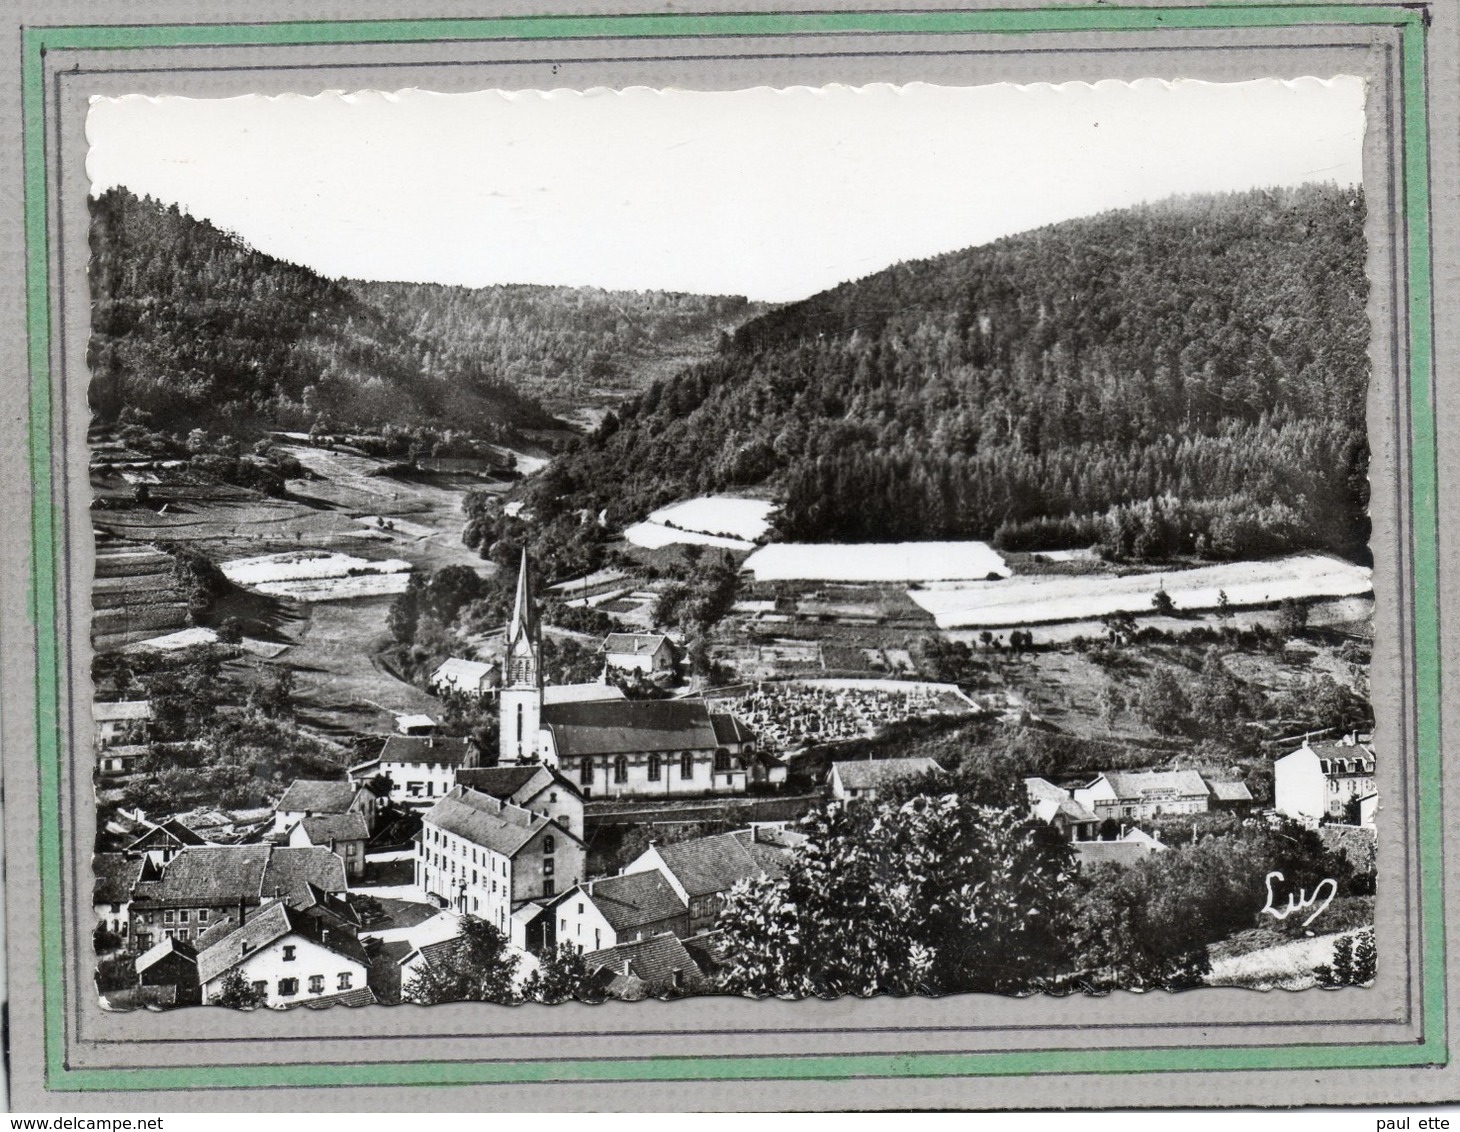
{"x": 92, "y": 1039}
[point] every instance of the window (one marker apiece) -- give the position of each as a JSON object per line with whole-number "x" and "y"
{"x": 473, "y": 876}
{"x": 621, "y": 769}
{"x": 167, "y": 916}
{"x": 182, "y": 916}
{"x": 475, "y": 904}
{"x": 553, "y": 797}
{"x": 686, "y": 765}
{"x": 547, "y": 866}
{"x": 519, "y": 723}
{"x": 344, "y": 983}
{"x": 288, "y": 987}
{"x": 549, "y": 845}
{"x": 182, "y": 933}
{"x": 261, "y": 987}
{"x": 654, "y": 768}
{"x": 289, "y": 953}
{"x": 585, "y": 770}
{"x": 202, "y": 915}
{"x": 722, "y": 760}
{"x": 316, "y": 984}
{"x": 116, "y": 907}
{"x": 548, "y": 887}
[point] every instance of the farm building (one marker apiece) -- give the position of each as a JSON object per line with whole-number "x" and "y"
{"x": 421, "y": 769}
{"x": 310, "y": 797}
{"x": 289, "y": 955}
{"x": 343, "y": 834}
{"x": 642, "y": 652}
{"x": 864, "y": 778}
{"x": 463, "y": 677}
{"x": 122, "y": 724}
{"x": 611, "y": 747}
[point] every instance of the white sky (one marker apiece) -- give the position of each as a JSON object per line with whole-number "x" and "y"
{"x": 773, "y": 194}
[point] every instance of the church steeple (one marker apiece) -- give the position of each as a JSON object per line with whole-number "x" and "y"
{"x": 524, "y": 647}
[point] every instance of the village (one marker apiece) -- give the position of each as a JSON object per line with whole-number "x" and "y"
{"x": 359, "y": 888}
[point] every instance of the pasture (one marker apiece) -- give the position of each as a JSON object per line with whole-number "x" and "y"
{"x": 876, "y": 562}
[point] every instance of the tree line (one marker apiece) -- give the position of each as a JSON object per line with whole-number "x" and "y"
{"x": 1182, "y": 378}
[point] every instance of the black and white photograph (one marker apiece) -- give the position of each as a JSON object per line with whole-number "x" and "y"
{"x": 805, "y": 542}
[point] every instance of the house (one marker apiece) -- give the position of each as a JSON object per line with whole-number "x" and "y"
{"x": 163, "y": 842}
{"x": 489, "y": 858}
{"x": 171, "y": 963}
{"x": 536, "y": 787}
{"x": 343, "y": 834}
{"x": 640, "y": 652}
{"x": 122, "y": 723}
{"x": 648, "y": 968}
{"x": 865, "y": 778}
{"x": 1053, "y": 805}
{"x": 113, "y": 762}
{"x": 289, "y": 955}
{"x": 701, "y": 871}
{"x": 421, "y": 768}
{"x": 415, "y": 725}
{"x": 1323, "y": 780}
{"x": 1130, "y": 847}
{"x": 600, "y": 914}
{"x": 456, "y": 676}
{"x": 408, "y": 966}
{"x": 360, "y": 996}
{"x": 1136, "y": 795}
{"x": 614, "y": 747}
{"x": 204, "y": 884}
{"x": 307, "y": 798}
{"x": 1232, "y": 797}
{"x": 115, "y": 874}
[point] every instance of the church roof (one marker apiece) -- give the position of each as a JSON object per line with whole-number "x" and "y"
{"x": 524, "y": 617}
{"x": 625, "y": 726}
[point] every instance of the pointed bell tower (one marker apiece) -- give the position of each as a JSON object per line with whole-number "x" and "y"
{"x": 521, "y": 695}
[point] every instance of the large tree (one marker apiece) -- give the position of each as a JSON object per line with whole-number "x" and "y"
{"x": 931, "y": 895}
{"x": 478, "y": 967}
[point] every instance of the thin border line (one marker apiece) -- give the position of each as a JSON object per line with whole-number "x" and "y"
{"x": 41, "y": 604}
{"x": 58, "y": 78}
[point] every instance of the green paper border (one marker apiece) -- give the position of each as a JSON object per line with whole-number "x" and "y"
{"x": 46, "y": 539}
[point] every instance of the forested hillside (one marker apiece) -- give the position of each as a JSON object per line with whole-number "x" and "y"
{"x": 565, "y": 346}
{"x": 1186, "y": 377}
{"x": 196, "y": 328}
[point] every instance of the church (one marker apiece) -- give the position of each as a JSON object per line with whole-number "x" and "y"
{"x": 609, "y": 746}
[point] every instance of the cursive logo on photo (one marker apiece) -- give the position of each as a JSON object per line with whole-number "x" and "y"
{"x": 1301, "y": 900}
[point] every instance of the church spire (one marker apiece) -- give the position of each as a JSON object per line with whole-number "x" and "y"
{"x": 524, "y": 619}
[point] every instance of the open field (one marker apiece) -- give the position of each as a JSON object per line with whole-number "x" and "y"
{"x": 317, "y": 575}
{"x": 1031, "y": 600}
{"x": 1288, "y": 966}
{"x": 745, "y": 519}
{"x": 875, "y": 562}
{"x": 656, "y": 536}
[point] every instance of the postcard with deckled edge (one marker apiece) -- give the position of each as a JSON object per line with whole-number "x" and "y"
{"x": 589, "y": 557}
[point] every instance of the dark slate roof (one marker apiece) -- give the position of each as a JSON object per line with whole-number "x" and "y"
{"x": 501, "y": 782}
{"x": 290, "y": 870}
{"x": 442, "y": 749}
{"x": 160, "y": 951}
{"x": 653, "y": 960}
{"x": 316, "y": 901}
{"x": 868, "y": 774}
{"x": 729, "y": 729}
{"x": 504, "y": 782}
{"x": 272, "y": 922}
{"x": 309, "y": 795}
{"x": 709, "y": 864}
{"x": 1109, "y": 852}
{"x": 115, "y": 876}
{"x": 614, "y": 726}
{"x": 170, "y": 832}
{"x": 635, "y": 899}
{"x": 209, "y": 874}
{"x": 769, "y": 854}
{"x": 321, "y": 829}
{"x": 483, "y": 820}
